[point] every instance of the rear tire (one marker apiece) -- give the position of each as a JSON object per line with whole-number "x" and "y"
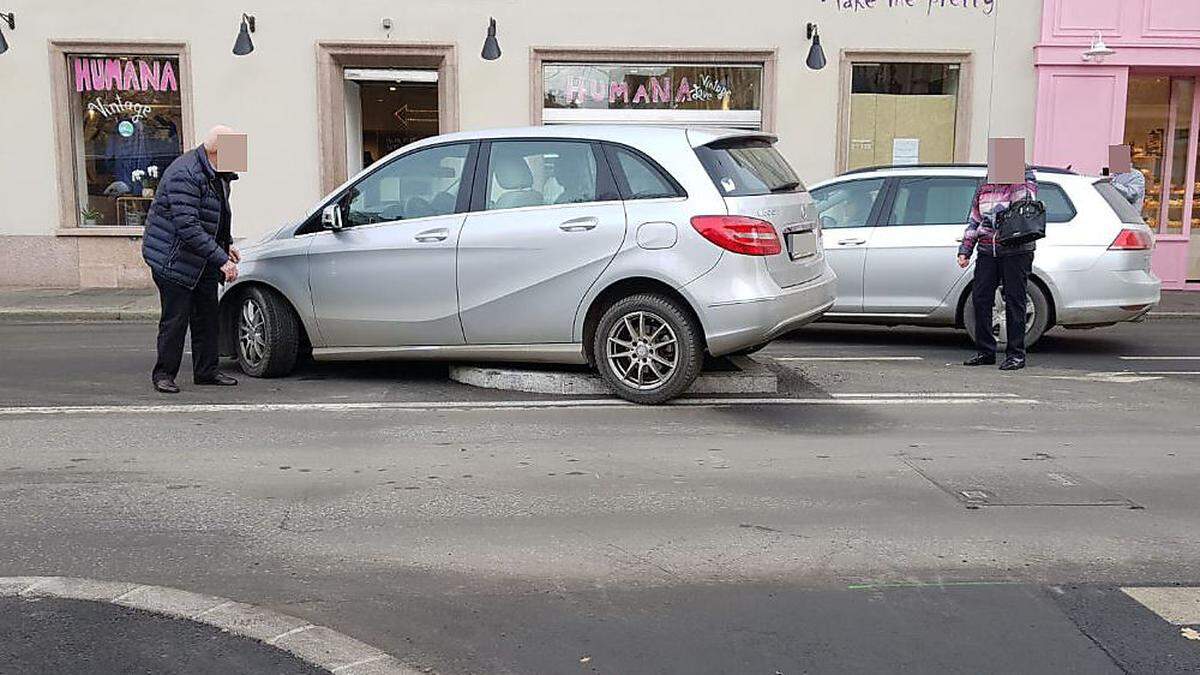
{"x": 267, "y": 334}
{"x": 648, "y": 348}
{"x": 1037, "y": 319}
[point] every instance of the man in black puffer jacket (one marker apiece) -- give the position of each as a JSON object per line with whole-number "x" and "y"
{"x": 189, "y": 249}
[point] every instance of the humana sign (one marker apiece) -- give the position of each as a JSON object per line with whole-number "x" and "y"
{"x": 124, "y": 75}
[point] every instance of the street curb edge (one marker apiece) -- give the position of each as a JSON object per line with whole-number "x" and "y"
{"x": 321, "y": 646}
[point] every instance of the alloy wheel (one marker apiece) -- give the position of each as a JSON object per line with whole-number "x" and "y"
{"x": 1000, "y": 319}
{"x": 642, "y": 350}
{"x": 252, "y": 333}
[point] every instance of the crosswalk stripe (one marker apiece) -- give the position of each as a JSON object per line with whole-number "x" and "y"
{"x": 1178, "y": 605}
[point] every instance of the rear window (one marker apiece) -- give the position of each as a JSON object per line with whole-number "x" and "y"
{"x": 1119, "y": 204}
{"x": 744, "y": 167}
{"x": 1059, "y": 208}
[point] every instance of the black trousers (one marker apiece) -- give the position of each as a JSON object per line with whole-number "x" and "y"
{"x": 183, "y": 308}
{"x": 1012, "y": 273}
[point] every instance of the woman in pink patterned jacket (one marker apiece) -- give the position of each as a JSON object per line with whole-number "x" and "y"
{"x": 998, "y": 265}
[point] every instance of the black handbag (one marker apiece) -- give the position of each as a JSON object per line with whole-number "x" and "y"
{"x": 1022, "y": 222}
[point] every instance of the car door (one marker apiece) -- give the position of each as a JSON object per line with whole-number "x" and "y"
{"x": 911, "y": 262}
{"x": 546, "y": 220}
{"x": 847, "y": 210}
{"x": 387, "y": 278}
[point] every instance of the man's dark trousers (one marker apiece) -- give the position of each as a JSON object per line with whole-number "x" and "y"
{"x": 1012, "y": 272}
{"x": 183, "y": 308}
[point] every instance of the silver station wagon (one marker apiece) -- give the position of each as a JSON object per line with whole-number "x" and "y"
{"x": 637, "y": 250}
{"x": 892, "y": 235}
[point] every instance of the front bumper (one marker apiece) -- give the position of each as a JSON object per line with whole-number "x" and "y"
{"x": 751, "y": 309}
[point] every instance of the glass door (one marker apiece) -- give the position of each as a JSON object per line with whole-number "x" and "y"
{"x": 1162, "y": 119}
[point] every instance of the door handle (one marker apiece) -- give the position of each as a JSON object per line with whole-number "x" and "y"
{"x": 579, "y": 224}
{"x": 430, "y": 236}
{"x": 851, "y": 242}
{"x": 958, "y": 241}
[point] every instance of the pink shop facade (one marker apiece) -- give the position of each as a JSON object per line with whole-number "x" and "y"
{"x": 1146, "y": 94}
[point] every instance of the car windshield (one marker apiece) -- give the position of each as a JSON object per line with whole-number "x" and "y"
{"x": 1119, "y": 204}
{"x": 744, "y": 167}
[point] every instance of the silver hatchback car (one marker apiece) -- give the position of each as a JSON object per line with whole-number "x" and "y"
{"x": 637, "y": 250}
{"x": 892, "y": 234}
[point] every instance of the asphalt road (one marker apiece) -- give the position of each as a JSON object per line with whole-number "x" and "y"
{"x": 889, "y": 528}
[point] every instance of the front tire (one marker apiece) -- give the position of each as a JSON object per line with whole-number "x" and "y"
{"x": 268, "y": 335}
{"x": 648, "y": 348}
{"x": 1037, "y": 317}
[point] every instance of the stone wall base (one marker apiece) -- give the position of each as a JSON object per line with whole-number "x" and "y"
{"x": 73, "y": 262}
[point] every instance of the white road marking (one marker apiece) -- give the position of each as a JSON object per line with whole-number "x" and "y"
{"x": 926, "y": 395}
{"x": 849, "y": 358}
{"x": 426, "y": 406}
{"x": 1159, "y": 358}
{"x": 1123, "y": 377}
{"x": 1179, "y": 605}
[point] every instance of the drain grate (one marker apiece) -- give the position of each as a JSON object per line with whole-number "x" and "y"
{"x": 977, "y": 483}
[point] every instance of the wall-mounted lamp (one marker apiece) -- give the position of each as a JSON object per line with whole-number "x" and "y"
{"x": 11, "y": 20}
{"x": 491, "y": 48}
{"x": 1098, "y": 51}
{"x": 816, "y": 55}
{"x": 243, "y": 45}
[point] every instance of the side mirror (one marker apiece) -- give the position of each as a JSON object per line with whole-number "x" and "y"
{"x": 331, "y": 218}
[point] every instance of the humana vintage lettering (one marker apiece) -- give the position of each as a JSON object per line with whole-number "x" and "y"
{"x": 124, "y": 75}
{"x": 136, "y": 111}
{"x": 579, "y": 89}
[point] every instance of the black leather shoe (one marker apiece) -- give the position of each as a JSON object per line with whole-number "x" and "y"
{"x": 981, "y": 360}
{"x": 1012, "y": 364}
{"x": 218, "y": 380}
{"x": 166, "y": 387}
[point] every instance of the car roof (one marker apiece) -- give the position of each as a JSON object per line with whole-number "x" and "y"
{"x": 1052, "y": 174}
{"x": 951, "y": 165}
{"x": 630, "y": 134}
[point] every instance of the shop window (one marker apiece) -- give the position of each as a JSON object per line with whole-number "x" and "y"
{"x": 126, "y": 128}
{"x": 716, "y": 95}
{"x": 1158, "y": 128}
{"x": 902, "y": 114}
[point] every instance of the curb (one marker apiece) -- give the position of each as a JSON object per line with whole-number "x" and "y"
{"x": 78, "y": 315}
{"x": 318, "y": 645}
{"x": 747, "y": 377}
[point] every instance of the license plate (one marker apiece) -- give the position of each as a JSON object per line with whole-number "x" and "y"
{"x": 801, "y": 244}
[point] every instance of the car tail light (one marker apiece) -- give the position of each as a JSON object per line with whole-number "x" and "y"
{"x": 1132, "y": 240}
{"x": 740, "y": 234}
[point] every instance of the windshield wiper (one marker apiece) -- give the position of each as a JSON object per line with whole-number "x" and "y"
{"x": 786, "y": 187}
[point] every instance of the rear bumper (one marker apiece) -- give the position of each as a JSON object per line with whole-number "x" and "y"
{"x": 1100, "y": 296}
{"x": 751, "y": 309}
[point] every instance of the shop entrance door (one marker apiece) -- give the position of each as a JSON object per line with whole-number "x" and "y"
{"x": 387, "y": 109}
{"x": 1162, "y": 125}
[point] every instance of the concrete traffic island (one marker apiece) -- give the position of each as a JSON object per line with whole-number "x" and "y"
{"x": 729, "y": 375}
{"x": 260, "y": 630}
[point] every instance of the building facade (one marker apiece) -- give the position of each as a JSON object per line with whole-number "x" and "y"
{"x": 98, "y": 102}
{"x": 1144, "y": 94}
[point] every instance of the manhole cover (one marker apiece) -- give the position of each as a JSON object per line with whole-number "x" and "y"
{"x": 977, "y": 482}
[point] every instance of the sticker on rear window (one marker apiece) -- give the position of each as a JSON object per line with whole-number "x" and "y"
{"x": 728, "y": 184}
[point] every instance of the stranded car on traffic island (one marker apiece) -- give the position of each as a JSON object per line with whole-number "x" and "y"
{"x": 636, "y": 250}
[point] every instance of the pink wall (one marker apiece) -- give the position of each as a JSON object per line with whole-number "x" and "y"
{"x": 1081, "y": 105}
